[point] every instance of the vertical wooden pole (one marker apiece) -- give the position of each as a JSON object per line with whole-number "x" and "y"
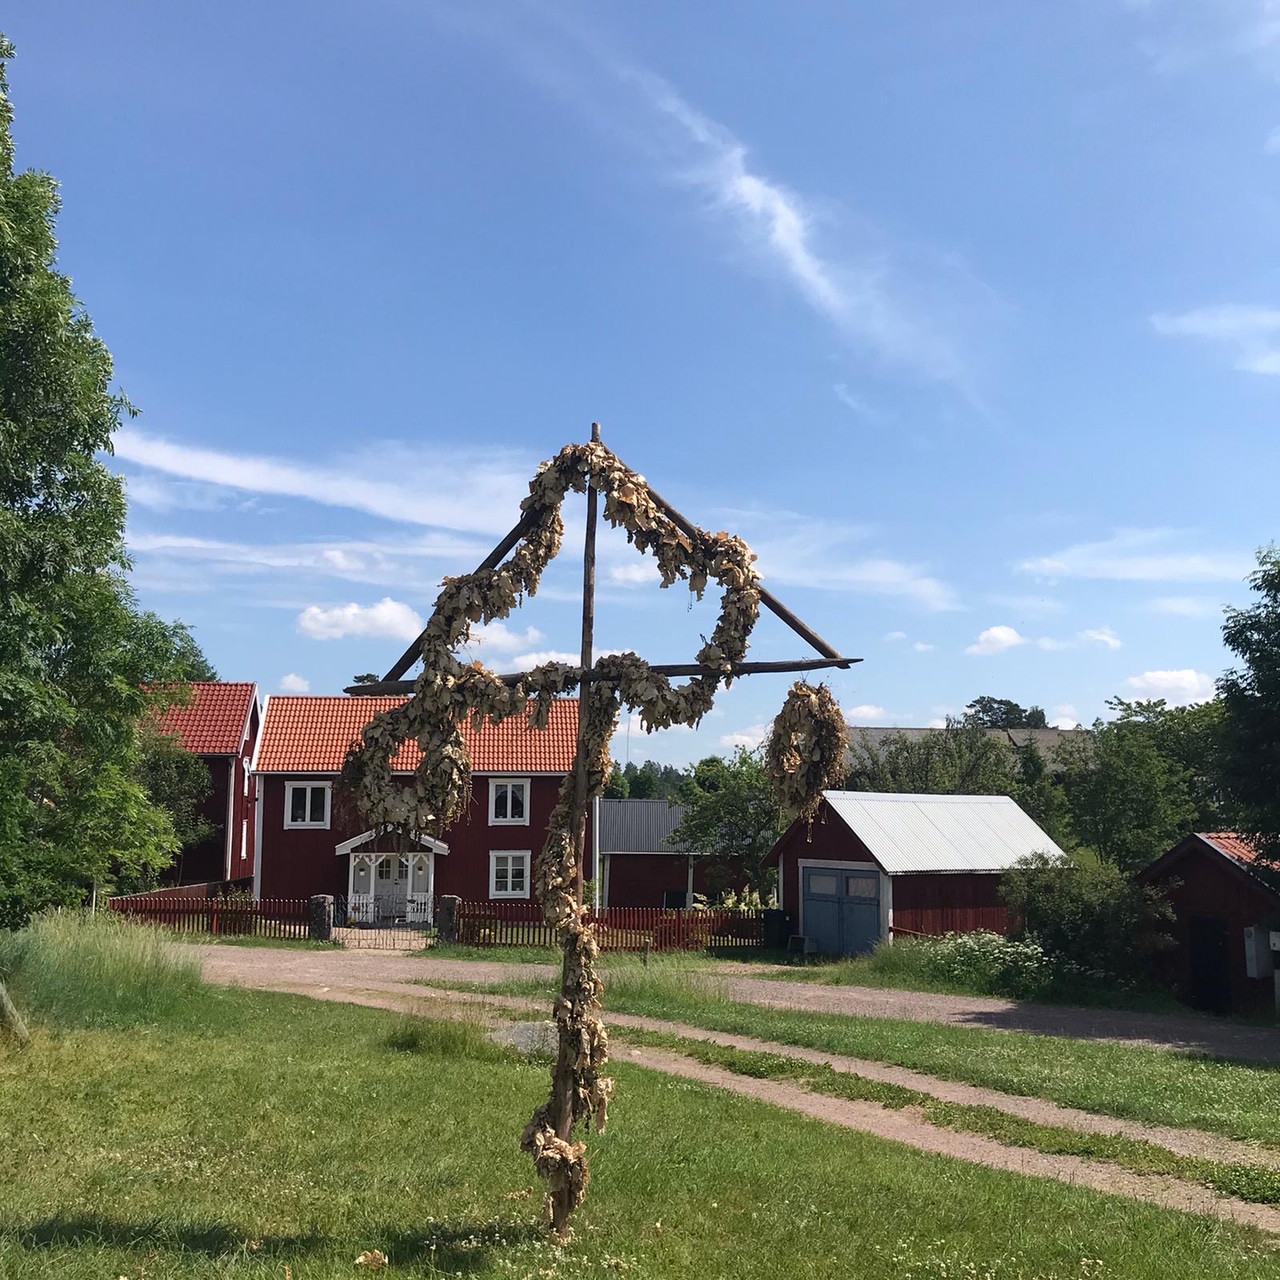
{"x": 564, "y": 1072}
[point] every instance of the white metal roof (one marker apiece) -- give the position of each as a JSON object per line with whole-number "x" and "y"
{"x": 940, "y": 833}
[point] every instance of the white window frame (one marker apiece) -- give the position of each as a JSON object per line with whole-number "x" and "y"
{"x": 494, "y": 784}
{"x": 290, "y": 788}
{"x": 494, "y": 855}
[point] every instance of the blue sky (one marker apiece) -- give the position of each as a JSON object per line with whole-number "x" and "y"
{"x": 966, "y": 316}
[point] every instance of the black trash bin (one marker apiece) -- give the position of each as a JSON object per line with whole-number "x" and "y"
{"x": 777, "y": 929}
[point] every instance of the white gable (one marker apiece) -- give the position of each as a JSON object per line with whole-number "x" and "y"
{"x": 940, "y": 833}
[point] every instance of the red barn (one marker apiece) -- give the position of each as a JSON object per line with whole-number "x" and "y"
{"x": 219, "y": 723}
{"x": 1217, "y": 888}
{"x": 312, "y": 840}
{"x": 875, "y": 864}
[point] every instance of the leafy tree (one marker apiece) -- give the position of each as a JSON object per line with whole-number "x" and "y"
{"x": 617, "y": 788}
{"x": 732, "y": 816}
{"x": 1250, "y": 694}
{"x": 1088, "y": 916}
{"x": 178, "y": 782}
{"x": 1040, "y": 794}
{"x": 1129, "y": 803}
{"x": 78, "y": 663}
{"x": 366, "y": 677}
{"x": 1001, "y": 713}
{"x": 1191, "y": 738}
{"x": 650, "y": 781}
{"x": 960, "y": 759}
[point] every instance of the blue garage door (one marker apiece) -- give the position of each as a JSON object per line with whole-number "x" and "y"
{"x": 841, "y": 910}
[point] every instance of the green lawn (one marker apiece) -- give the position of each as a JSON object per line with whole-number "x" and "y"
{"x": 253, "y": 1131}
{"x": 1241, "y": 1100}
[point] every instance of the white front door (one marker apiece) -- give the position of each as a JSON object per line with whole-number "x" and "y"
{"x": 421, "y": 888}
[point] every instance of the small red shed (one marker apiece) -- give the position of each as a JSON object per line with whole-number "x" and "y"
{"x": 874, "y": 865}
{"x": 1218, "y": 889}
{"x": 219, "y": 723}
{"x": 312, "y": 840}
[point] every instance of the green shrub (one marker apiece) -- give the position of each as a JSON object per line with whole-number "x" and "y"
{"x": 987, "y": 963}
{"x": 71, "y": 969}
{"x": 1091, "y": 920}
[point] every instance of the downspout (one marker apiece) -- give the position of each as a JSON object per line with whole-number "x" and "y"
{"x": 228, "y": 838}
{"x": 596, "y": 873}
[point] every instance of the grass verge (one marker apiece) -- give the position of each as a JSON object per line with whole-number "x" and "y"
{"x": 1246, "y": 1182}
{"x": 1239, "y": 1099}
{"x": 286, "y": 1136}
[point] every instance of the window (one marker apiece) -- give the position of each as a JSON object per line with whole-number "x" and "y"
{"x": 306, "y": 804}
{"x": 384, "y": 869}
{"x": 509, "y": 874}
{"x": 509, "y": 802}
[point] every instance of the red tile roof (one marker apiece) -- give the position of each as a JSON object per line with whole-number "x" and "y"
{"x": 1232, "y": 845}
{"x": 212, "y": 722}
{"x": 311, "y": 735}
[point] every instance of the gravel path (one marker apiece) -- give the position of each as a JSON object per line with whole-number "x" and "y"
{"x": 904, "y": 1125}
{"x": 381, "y": 986}
{"x": 1189, "y": 1034}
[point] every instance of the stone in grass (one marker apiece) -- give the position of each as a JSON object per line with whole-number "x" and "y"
{"x": 535, "y": 1039}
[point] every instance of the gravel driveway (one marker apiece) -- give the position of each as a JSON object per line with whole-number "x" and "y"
{"x": 257, "y": 967}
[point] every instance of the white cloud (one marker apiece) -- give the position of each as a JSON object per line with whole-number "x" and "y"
{"x": 1272, "y": 144}
{"x": 387, "y": 617}
{"x": 634, "y": 575}
{"x": 294, "y": 683}
{"x": 869, "y": 298}
{"x": 497, "y": 637}
{"x": 850, "y": 401}
{"x": 1250, "y": 335}
{"x": 1051, "y": 645}
{"x": 895, "y": 635}
{"x": 526, "y": 661}
{"x": 750, "y": 737}
{"x": 938, "y": 722}
{"x": 866, "y": 713}
{"x": 633, "y": 724}
{"x": 1187, "y": 606}
{"x": 922, "y": 646}
{"x": 1065, "y": 716}
{"x": 1178, "y": 688}
{"x": 471, "y": 492}
{"x": 1138, "y": 555}
{"x": 996, "y": 640}
{"x": 1103, "y": 636}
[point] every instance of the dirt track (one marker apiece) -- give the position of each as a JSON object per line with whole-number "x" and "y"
{"x": 388, "y": 982}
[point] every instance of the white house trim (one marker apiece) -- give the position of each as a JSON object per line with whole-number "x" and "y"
{"x": 420, "y": 880}
{"x": 886, "y": 888}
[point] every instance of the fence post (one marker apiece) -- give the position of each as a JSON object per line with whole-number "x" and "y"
{"x": 320, "y": 917}
{"x": 447, "y": 925}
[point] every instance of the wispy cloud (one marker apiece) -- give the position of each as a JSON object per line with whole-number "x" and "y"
{"x": 750, "y": 737}
{"x": 995, "y": 640}
{"x": 855, "y": 403}
{"x": 863, "y": 296}
{"x": 1249, "y": 335}
{"x": 294, "y": 683}
{"x": 387, "y": 617}
{"x": 1178, "y": 688}
{"x": 1138, "y": 555}
{"x": 470, "y": 493}
{"x": 865, "y": 713}
{"x": 1103, "y": 636}
{"x": 1187, "y": 606}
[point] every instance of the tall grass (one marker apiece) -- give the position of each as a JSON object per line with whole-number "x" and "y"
{"x": 70, "y": 969}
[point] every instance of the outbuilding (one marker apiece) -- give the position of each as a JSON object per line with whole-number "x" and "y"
{"x": 1225, "y": 903}
{"x": 876, "y": 865}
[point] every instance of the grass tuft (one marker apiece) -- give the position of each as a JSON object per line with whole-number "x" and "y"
{"x": 70, "y": 969}
{"x": 432, "y": 1038}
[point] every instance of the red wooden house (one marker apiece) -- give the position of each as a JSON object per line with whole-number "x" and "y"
{"x": 874, "y": 865}
{"x": 219, "y": 723}
{"x": 312, "y": 840}
{"x": 1218, "y": 889}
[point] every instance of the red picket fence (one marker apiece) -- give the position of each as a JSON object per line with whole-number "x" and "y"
{"x": 219, "y": 917}
{"x": 513, "y": 924}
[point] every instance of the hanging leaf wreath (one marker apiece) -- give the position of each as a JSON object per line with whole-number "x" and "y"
{"x": 450, "y": 692}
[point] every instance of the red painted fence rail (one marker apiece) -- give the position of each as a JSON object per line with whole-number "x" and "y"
{"x": 219, "y": 917}
{"x": 513, "y": 924}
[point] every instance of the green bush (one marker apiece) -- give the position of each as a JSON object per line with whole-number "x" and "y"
{"x": 1091, "y": 920}
{"x": 986, "y": 963}
{"x": 71, "y": 969}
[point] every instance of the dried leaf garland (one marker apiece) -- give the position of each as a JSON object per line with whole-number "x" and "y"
{"x": 806, "y": 749}
{"x": 449, "y": 692}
